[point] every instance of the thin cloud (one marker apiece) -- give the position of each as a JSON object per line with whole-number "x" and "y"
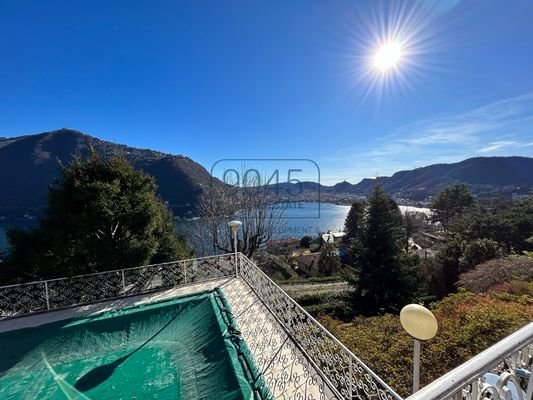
{"x": 509, "y": 115}
{"x": 498, "y": 146}
{"x": 498, "y": 128}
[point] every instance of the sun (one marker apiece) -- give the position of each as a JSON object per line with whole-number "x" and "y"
{"x": 393, "y": 47}
{"x": 388, "y": 56}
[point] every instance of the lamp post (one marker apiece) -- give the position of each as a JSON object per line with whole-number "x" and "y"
{"x": 234, "y": 226}
{"x": 421, "y": 324}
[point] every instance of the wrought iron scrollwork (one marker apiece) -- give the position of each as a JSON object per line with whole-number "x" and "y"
{"x": 346, "y": 375}
{"x": 510, "y": 379}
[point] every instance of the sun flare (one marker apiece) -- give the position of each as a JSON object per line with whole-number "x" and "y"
{"x": 388, "y": 56}
{"x": 394, "y": 48}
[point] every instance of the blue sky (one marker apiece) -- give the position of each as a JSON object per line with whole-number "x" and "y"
{"x": 275, "y": 79}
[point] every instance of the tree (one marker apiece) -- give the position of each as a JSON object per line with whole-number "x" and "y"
{"x": 101, "y": 215}
{"x": 387, "y": 277}
{"x": 511, "y": 225}
{"x": 306, "y": 241}
{"x": 444, "y": 269}
{"x": 329, "y": 262}
{"x": 492, "y": 274}
{"x": 251, "y": 204}
{"x": 479, "y": 251}
{"x": 353, "y": 222}
{"x": 450, "y": 203}
{"x": 481, "y": 233}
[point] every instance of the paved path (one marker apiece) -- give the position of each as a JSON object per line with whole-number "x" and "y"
{"x": 301, "y": 289}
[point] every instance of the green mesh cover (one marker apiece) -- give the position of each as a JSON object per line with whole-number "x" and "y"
{"x": 185, "y": 348}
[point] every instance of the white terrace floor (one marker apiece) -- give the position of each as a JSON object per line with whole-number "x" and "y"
{"x": 287, "y": 373}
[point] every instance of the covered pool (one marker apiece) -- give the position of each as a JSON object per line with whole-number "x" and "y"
{"x": 185, "y": 348}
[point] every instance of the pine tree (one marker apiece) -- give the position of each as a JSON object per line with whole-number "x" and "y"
{"x": 102, "y": 215}
{"x": 450, "y": 203}
{"x": 387, "y": 277}
{"x": 353, "y": 222}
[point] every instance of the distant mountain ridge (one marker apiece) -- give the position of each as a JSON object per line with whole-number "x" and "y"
{"x": 28, "y": 165}
{"x": 485, "y": 177}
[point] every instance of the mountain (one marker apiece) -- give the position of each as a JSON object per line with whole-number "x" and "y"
{"x": 343, "y": 187}
{"x": 28, "y": 165}
{"x": 485, "y": 176}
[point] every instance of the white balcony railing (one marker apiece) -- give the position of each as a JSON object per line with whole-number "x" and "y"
{"x": 502, "y": 372}
{"x": 344, "y": 374}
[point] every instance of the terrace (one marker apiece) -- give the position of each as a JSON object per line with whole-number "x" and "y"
{"x": 294, "y": 356}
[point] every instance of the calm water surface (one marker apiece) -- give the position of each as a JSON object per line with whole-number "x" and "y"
{"x": 299, "y": 219}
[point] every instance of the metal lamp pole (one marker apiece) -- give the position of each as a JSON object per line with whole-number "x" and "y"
{"x": 416, "y": 366}
{"x": 421, "y": 324}
{"x": 234, "y": 226}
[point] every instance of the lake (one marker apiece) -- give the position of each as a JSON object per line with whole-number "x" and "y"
{"x": 300, "y": 219}
{"x": 313, "y": 218}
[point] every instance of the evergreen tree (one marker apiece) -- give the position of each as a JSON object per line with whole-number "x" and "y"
{"x": 102, "y": 215}
{"x": 306, "y": 241}
{"x": 387, "y": 276}
{"x": 511, "y": 225}
{"x": 445, "y": 269}
{"x": 353, "y": 222}
{"x": 479, "y": 251}
{"x": 450, "y": 203}
{"x": 329, "y": 262}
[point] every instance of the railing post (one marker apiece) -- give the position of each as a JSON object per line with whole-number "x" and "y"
{"x": 185, "y": 271}
{"x": 529, "y": 390}
{"x": 350, "y": 377}
{"x": 123, "y": 284}
{"x": 46, "y": 294}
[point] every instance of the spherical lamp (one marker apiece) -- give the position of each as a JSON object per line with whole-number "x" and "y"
{"x": 421, "y": 324}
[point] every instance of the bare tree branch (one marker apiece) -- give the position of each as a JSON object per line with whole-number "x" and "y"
{"x": 252, "y": 205}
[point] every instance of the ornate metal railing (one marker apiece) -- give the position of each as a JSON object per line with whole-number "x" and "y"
{"x": 502, "y": 372}
{"x": 84, "y": 289}
{"x": 346, "y": 375}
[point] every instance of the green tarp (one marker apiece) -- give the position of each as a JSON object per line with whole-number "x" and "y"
{"x": 185, "y": 348}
